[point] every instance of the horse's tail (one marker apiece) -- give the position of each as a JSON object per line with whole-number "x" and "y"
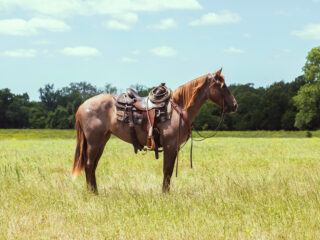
{"x": 80, "y": 155}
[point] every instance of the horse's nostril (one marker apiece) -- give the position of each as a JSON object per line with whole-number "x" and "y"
{"x": 235, "y": 107}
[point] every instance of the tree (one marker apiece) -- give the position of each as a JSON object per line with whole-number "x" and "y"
{"x": 17, "y": 112}
{"x": 288, "y": 118}
{"x": 308, "y": 104}
{"x": 142, "y": 90}
{"x": 84, "y": 89}
{"x": 312, "y": 67}
{"x": 208, "y": 117}
{"x": 37, "y": 115}
{"x": 60, "y": 118}
{"x": 249, "y": 114}
{"x": 307, "y": 100}
{"x": 6, "y": 98}
{"x": 110, "y": 89}
{"x": 49, "y": 97}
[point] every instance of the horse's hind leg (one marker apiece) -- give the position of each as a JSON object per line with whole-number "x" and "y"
{"x": 94, "y": 154}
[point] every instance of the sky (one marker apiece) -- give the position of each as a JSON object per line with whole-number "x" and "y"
{"x": 127, "y": 42}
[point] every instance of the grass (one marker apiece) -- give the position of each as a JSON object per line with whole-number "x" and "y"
{"x": 70, "y": 133}
{"x": 240, "y": 188}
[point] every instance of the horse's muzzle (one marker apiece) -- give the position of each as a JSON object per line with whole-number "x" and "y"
{"x": 231, "y": 109}
{"x": 235, "y": 107}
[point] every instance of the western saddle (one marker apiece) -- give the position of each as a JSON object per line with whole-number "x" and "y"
{"x": 147, "y": 111}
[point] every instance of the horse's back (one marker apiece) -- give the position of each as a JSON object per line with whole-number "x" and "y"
{"x": 96, "y": 112}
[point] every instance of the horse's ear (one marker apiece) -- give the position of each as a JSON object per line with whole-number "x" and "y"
{"x": 219, "y": 72}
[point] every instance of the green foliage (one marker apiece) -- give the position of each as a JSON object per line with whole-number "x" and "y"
{"x": 249, "y": 114}
{"x": 6, "y": 98}
{"x": 37, "y": 115}
{"x": 60, "y": 118}
{"x": 142, "y": 90}
{"x": 275, "y": 101}
{"x": 308, "y": 104}
{"x": 110, "y": 89}
{"x": 56, "y": 108}
{"x": 49, "y": 97}
{"x": 312, "y": 67}
{"x": 17, "y": 112}
{"x": 308, "y": 99}
{"x": 269, "y": 108}
{"x": 13, "y": 109}
{"x": 208, "y": 117}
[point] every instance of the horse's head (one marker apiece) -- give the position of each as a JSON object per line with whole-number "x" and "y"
{"x": 220, "y": 94}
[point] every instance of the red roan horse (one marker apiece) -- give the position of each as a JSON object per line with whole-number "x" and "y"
{"x": 96, "y": 121}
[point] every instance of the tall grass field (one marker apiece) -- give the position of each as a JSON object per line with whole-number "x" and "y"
{"x": 242, "y": 186}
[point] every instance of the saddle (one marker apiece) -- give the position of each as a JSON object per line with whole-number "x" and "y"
{"x": 148, "y": 111}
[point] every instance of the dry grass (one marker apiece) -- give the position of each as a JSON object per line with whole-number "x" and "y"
{"x": 240, "y": 188}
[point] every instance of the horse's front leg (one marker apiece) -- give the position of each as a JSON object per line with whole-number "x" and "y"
{"x": 169, "y": 157}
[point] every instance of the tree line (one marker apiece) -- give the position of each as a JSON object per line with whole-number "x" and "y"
{"x": 289, "y": 106}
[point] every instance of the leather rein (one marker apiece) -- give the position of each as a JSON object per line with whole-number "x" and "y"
{"x": 190, "y": 128}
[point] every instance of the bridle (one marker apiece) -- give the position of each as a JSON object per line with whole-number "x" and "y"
{"x": 214, "y": 132}
{"x": 190, "y": 127}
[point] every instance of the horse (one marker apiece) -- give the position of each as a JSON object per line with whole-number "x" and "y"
{"x": 96, "y": 121}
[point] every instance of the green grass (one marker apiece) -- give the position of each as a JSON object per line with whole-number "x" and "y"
{"x": 70, "y": 133}
{"x": 37, "y": 134}
{"x": 240, "y": 188}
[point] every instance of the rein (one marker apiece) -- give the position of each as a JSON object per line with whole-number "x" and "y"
{"x": 190, "y": 129}
{"x": 215, "y": 131}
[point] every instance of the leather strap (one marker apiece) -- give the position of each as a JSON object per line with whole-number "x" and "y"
{"x": 181, "y": 113}
{"x": 150, "y": 140}
{"x": 135, "y": 142}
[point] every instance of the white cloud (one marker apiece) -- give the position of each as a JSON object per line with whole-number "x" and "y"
{"x": 124, "y": 21}
{"x": 128, "y": 60}
{"x": 129, "y": 18}
{"x": 83, "y": 51}
{"x": 164, "y": 51}
{"x": 233, "y": 50}
{"x": 63, "y": 8}
{"x": 20, "y": 53}
{"x": 310, "y": 32}
{"x": 164, "y": 24}
{"x": 21, "y": 27}
{"x": 116, "y": 25}
{"x": 49, "y": 24}
{"x": 212, "y": 18}
{"x": 136, "y": 52}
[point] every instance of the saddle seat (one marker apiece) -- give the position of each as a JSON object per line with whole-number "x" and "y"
{"x": 143, "y": 103}
{"x": 133, "y": 94}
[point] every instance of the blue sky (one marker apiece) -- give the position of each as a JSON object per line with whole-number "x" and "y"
{"x": 124, "y": 42}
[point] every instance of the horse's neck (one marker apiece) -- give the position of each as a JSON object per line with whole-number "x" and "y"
{"x": 193, "y": 110}
{"x": 185, "y": 93}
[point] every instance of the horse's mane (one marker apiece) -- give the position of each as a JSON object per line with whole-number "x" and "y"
{"x": 186, "y": 94}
